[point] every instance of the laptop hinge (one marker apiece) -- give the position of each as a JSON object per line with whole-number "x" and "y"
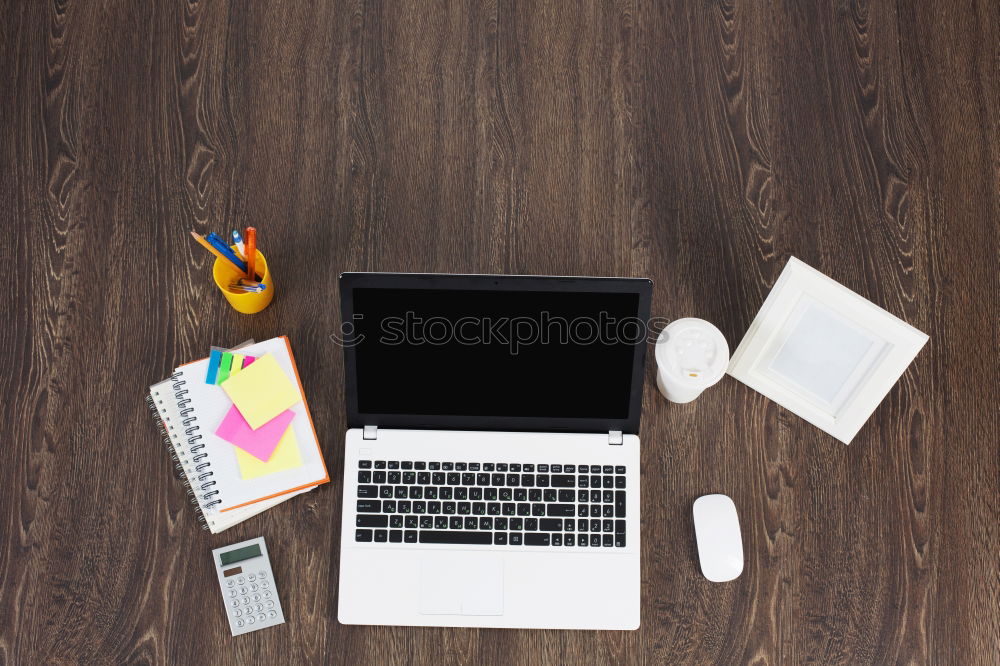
{"x": 371, "y": 432}
{"x": 615, "y": 438}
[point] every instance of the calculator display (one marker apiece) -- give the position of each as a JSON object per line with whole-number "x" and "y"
{"x": 240, "y": 554}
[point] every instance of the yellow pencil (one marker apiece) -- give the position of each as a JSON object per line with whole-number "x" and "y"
{"x": 208, "y": 246}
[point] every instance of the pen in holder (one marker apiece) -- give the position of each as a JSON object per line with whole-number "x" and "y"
{"x": 225, "y": 274}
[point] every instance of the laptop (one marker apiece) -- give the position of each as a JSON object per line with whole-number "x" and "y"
{"x": 491, "y": 470}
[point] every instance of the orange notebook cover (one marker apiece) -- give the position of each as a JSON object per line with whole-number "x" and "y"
{"x": 229, "y": 478}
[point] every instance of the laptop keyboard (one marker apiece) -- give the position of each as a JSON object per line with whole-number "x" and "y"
{"x": 502, "y": 504}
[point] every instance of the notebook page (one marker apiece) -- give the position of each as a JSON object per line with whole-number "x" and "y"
{"x": 163, "y": 398}
{"x": 211, "y": 405}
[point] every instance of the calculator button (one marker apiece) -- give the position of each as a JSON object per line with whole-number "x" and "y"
{"x": 240, "y": 623}
{"x": 241, "y": 580}
{"x": 250, "y": 619}
{"x": 230, "y": 583}
{"x": 261, "y": 617}
{"x": 259, "y": 607}
{"x": 253, "y": 587}
{"x": 243, "y": 590}
{"x": 246, "y": 601}
{"x": 251, "y": 578}
{"x": 256, "y": 597}
{"x": 234, "y": 603}
{"x": 267, "y": 594}
{"x": 270, "y": 604}
{"x": 233, "y": 593}
{"x": 261, "y": 574}
{"x": 272, "y": 615}
{"x": 263, "y": 583}
{"x": 237, "y": 612}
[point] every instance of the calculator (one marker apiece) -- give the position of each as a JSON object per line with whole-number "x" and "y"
{"x": 247, "y": 583}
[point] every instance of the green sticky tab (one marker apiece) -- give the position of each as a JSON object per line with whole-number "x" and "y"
{"x": 224, "y": 366}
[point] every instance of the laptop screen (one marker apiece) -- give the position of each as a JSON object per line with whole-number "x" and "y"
{"x": 554, "y": 355}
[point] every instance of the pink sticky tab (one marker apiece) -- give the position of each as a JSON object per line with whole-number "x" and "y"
{"x": 259, "y": 443}
{"x": 247, "y": 360}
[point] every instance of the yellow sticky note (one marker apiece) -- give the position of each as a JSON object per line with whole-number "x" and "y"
{"x": 261, "y": 391}
{"x": 285, "y": 456}
{"x": 237, "y": 364}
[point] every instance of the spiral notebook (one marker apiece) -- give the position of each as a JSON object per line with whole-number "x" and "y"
{"x": 226, "y": 491}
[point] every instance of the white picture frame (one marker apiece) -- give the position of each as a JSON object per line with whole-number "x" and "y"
{"x": 823, "y": 352}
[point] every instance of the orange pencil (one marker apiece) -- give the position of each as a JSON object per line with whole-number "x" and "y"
{"x": 208, "y": 246}
{"x": 250, "y": 243}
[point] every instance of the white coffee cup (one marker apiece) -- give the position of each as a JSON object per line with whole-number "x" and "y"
{"x": 691, "y": 355}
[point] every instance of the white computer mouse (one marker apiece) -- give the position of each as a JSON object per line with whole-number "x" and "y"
{"x": 717, "y": 531}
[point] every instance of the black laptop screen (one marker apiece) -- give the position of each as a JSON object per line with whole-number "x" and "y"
{"x": 495, "y": 353}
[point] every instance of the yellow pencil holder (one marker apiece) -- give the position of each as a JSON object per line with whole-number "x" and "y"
{"x": 225, "y": 274}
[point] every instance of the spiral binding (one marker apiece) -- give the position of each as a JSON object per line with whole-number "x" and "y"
{"x": 189, "y": 462}
{"x": 202, "y": 471}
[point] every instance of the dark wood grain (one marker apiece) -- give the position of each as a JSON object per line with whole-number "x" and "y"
{"x": 697, "y": 143}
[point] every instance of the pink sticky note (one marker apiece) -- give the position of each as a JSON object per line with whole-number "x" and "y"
{"x": 260, "y": 442}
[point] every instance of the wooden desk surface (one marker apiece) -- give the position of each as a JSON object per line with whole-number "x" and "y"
{"x": 697, "y": 143}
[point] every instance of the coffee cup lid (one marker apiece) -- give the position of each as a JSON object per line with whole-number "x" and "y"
{"x": 692, "y": 352}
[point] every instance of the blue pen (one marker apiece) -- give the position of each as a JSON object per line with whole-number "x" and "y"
{"x": 216, "y": 241}
{"x": 220, "y": 244}
{"x": 238, "y": 242}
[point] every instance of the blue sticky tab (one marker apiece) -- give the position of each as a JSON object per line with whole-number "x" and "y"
{"x": 213, "y": 366}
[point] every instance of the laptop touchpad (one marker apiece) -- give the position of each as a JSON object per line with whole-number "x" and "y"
{"x": 461, "y": 584}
